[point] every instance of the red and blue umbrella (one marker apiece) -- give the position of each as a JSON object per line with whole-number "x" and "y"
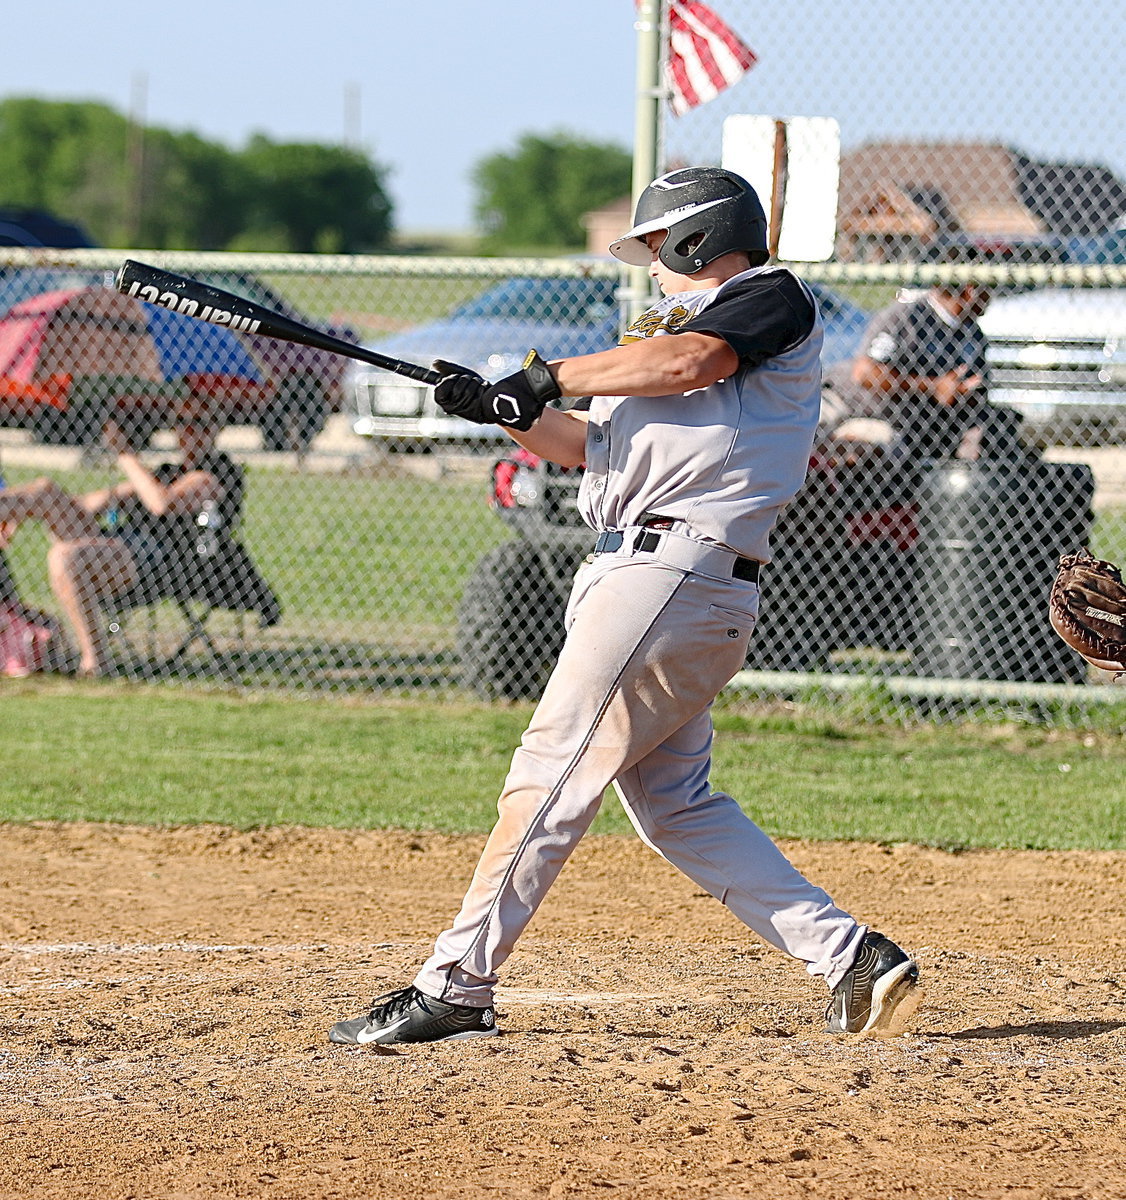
{"x": 50, "y": 340}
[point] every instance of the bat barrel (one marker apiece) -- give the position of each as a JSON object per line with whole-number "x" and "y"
{"x": 217, "y": 307}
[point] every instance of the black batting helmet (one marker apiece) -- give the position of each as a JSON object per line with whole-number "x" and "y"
{"x": 708, "y": 212}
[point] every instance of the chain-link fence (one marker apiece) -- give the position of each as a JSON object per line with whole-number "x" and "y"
{"x": 366, "y": 541}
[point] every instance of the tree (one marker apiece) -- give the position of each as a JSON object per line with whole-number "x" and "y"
{"x": 67, "y": 158}
{"x": 153, "y": 187}
{"x": 534, "y": 198}
{"x": 315, "y": 198}
{"x": 193, "y": 193}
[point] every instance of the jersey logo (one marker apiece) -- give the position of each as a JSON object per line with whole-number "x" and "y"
{"x": 655, "y": 321}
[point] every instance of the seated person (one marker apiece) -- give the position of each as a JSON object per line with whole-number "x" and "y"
{"x": 922, "y": 368}
{"x": 88, "y": 565}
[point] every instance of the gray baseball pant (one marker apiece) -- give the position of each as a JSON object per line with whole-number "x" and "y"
{"x": 649, "y": 646}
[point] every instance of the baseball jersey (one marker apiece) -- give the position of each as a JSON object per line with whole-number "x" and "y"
{"x": 726, "y": 458}
{"x": 919, "y": 337}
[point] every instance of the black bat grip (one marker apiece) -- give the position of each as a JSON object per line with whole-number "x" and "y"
{"x": 422, "y": 374}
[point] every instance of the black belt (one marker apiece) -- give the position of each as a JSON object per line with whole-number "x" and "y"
{"x": 646, "y": 541}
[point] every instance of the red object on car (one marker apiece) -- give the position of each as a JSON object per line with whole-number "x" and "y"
{"x": 506, "y": 472}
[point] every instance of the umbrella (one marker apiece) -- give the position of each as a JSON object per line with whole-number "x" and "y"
{"x": 92, "y": 343}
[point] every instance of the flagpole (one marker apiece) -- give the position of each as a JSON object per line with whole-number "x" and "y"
{"x": 647, "y": 130}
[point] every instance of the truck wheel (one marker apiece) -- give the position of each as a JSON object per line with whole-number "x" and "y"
{"x": 510, "y": 624}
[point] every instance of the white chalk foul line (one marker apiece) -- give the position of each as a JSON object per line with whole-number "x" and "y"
{"x": 120, "y": 949}
{"x": 33, "y": 948}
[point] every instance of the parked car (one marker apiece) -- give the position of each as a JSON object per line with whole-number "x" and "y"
{"x": 1058, "y": 356}
{"x": 307, "y": 384}
{"x": 36, "y": 227}
{"x": 492, "y": 333}
{"x": 1109, "y": 247}
{"x": 72, "y": 358}
{"x": 310, "y": 382}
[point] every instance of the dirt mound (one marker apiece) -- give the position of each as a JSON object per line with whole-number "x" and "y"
{"x": 165, "y": 996}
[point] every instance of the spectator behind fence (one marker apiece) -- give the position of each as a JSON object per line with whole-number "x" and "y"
{"x": 125, "y": 537}
{"x": 922, "y": 368}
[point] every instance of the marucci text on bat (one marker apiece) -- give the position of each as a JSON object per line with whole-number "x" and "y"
{"x": 192, "y": 308}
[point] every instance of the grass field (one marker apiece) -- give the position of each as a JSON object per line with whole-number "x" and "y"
{"x": 113, "y": 752}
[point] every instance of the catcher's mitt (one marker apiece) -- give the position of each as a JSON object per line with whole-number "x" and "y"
{"x": 1088, "y": 609}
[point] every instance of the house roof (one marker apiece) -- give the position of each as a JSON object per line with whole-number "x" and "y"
{"x": 931, "y": 188}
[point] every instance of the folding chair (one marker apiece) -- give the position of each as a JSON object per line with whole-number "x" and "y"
{"x": 216, "y": 574}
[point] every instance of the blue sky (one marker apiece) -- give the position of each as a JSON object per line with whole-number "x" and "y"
{"x": 431, "y": 87}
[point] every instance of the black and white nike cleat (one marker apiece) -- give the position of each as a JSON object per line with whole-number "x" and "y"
{"x": 409, "y": 1016}
{"x": 878, "y": 994}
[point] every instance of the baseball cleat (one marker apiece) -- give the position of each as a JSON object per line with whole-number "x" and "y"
{"x": 409, "y": 1016}
{"x": 878, "y": 994}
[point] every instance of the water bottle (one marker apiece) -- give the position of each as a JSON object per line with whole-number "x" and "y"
{"x": 208, "y": 522}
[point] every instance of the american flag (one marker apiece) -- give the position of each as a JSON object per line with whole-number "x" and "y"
{"x": 704, "y": 55}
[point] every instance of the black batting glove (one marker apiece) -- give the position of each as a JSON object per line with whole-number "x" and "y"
{"x": 515, "y": 401}
{"x": 459, "y": 391}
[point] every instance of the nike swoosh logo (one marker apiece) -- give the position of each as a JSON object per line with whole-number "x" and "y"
{"x": 665, "y": 186}
{"x": 381, "y": 1033}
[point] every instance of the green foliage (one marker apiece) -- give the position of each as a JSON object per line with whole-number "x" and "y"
{"x": 326, "y": 199}
{"x": 157, "y": 188}
{"x": 192, "y": 197}
{"x": 534, "y": 198}
{"x": 69, "y": 158}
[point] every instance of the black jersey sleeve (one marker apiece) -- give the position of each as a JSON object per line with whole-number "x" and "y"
{"x": 759, "y": 317}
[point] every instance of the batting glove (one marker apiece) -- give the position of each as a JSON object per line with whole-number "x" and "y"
{"x": 515, "y": 401}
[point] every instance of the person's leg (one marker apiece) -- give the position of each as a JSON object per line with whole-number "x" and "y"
{"x": 926, "y": 430}
{"x": 648, "y": 648}
{"x": 44, "y": 500}
{"x": 705, "y": 834}
{"x": 873, "y": 982}
{"x": 83, "y": 573}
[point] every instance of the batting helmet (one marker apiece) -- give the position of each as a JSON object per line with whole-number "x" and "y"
{"x": 708, "y": 212}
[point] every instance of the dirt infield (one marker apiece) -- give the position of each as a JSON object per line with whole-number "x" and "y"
{"x": 165, "y": 994}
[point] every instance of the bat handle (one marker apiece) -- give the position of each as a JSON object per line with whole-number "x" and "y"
{"x": 425, "y": 375}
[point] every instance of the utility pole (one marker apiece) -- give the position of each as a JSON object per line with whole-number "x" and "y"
{"x": 353, "y": 133}
{"x": 650, "y": 96}
{"x": 135, "y": 158}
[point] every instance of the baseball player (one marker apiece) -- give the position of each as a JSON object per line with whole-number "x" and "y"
{"x": 698, "y": 432}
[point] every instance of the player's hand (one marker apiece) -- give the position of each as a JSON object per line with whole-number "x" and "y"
{"x": 459, "y": 392}
{"x": 948, "y": 389}
{"x": 515, "y": 401}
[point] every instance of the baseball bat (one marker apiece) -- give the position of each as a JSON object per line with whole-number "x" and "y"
{"x": 207, "y": 303}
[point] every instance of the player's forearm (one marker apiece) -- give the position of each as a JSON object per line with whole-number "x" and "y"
{"x": 878, "y": 377}
{"x": 885, "y": 380}
{"x": 658, "y": 366}
{"x": 558, "y": 436}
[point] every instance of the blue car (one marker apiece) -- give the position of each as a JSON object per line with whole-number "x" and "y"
{"x": 560, "y": 317}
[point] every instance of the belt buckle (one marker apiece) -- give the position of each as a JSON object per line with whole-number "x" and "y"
{"x": 608, "y": 541}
